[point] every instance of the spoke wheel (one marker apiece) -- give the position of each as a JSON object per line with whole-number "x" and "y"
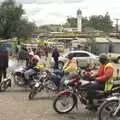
{"x": 64, "y": 103}
{"x": 107, "y": 109}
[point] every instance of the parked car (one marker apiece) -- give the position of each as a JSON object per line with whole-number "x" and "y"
{"x": 114, "y": 57}
{"x": 82, "y": 57}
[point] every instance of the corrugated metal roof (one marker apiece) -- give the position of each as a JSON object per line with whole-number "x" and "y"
{"x": 80, "y": 40}
{"x": 114, "y": 40}
{"x": 102, "y": 40}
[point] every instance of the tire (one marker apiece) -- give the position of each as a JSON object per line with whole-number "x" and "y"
{"x": 51, "y": 86}
{"x": 32, "y": 93}
{"x": 103, "y": 106}
{"x": 3, "y": 86}
{"x": 74, "y": 99}
{"x": 60, "y": 65}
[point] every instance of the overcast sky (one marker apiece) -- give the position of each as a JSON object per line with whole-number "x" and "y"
{"x": 56, "y": 11}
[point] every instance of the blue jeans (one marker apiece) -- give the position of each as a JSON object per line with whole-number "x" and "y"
{"x": 29, "y": 73}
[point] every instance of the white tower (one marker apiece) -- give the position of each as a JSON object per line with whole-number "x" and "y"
{"x": 79, "y": 20}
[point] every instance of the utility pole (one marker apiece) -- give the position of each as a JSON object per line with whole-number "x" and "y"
{"x": 117, "y": 31}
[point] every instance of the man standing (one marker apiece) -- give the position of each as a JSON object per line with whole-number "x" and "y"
{"x": 55, "y": 55}
{"x": 3, "y": 62}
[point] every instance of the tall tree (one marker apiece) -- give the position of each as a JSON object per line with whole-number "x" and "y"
{"x": 11, "y": 20}
{"x": 100, "y": 22}
{"x": 9, "y": 16}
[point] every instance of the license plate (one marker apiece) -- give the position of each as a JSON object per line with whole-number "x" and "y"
{"x": 37, "y": 85}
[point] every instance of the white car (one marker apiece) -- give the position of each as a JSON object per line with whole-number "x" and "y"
{"x": 82, "y": 57}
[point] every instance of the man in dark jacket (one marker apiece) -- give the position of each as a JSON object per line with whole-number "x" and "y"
{"x": 55, "y": 55}
{"x": 3, "y": 62}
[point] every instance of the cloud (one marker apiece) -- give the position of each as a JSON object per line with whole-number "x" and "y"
{"x": 73, "y": 1}
{"x": 37, "y": 1}
{"x": 56, "y": 11}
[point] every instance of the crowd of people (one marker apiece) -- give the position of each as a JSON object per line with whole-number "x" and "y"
{"x": 33, "y": 57}
{"x": 21, "y": 51}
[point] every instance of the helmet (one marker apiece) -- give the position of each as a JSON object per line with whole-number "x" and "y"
{"x": 36, "y": 58}
{"x": 103, "y": 58}
{"x": 70, "y": 56}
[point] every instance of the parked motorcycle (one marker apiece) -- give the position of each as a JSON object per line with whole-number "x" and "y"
{"x": 17, "y": 77}
{"x": 45, "y": 82}
{"x": 110, "y": 108}
{"x": 77, "y": 91}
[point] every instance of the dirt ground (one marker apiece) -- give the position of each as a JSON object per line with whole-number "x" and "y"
{"x": 14, "y": 105}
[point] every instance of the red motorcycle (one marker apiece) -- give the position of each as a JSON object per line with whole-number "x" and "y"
{"x": 76, "y": 93}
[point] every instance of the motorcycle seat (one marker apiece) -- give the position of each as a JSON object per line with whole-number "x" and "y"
{"x": 74, "y": 76}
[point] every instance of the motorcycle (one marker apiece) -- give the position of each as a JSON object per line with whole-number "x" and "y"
{"x": 50, "y": 81}
{"x": 45, "y": 82}
{"x": 110, "y": 108}
{"x": 17, "y": 77}
{"x": 77, "y": 93}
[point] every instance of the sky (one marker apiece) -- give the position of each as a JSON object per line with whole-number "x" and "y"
{"x": 56, "y": 11}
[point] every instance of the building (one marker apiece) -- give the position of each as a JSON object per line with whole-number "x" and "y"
{"x": 79, "y": 23}
{"x": 79, "y": 20}
{"x": 115, "y": 45}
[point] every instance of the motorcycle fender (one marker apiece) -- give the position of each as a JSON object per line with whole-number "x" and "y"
{"x": 65, "y": 92}
{"x": 113, "y": 98}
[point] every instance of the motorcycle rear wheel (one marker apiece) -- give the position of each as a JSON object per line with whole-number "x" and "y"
{"x": 63, "y": 103}
{"x": 3, "y": 86}
{"x": 107, "y": 109}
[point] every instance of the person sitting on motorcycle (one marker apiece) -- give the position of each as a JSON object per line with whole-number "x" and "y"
{"x": 70, "y": 68}
{"x": 32, "y": 68}
{"x": 29, "y": 59}
{"x": 103, "y": 78}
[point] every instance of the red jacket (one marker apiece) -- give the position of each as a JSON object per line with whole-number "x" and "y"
{"x": 105, "y": 72}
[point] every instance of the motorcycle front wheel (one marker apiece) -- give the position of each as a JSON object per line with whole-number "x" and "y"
{"x": 33, "y": 92}
{"x": 64, "y": 103}
{"x": 4, "y": 85}
{"x": 107, "y": 109}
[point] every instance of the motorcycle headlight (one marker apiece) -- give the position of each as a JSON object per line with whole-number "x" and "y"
{"x": 44, "y": 74}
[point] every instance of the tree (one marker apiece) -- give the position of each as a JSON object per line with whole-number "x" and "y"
{"x": 24, "y": 29}
{"x": 72, "y": 21}
{"x": 95, "y": 22}
{"x": 11, "y": 20}
{"x": 103, "y": 23}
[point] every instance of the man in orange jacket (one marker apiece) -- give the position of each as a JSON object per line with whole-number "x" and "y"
{"x": 104, "y": 78}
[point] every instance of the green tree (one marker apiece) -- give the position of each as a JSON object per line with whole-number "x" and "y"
{"x": 72, "y": 21}
{"x": 97, "y": 22}
{"x": 11, "y": 20}
{"x": 100, "y": 22}
{"x": 24, "y": 29}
